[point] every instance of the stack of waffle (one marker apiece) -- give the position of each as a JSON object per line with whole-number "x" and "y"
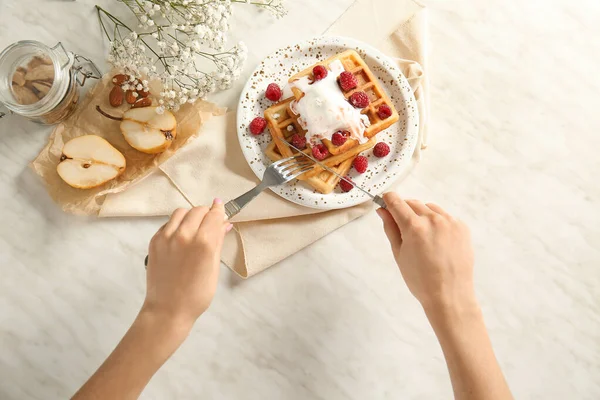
{"x": 283, "y": 123}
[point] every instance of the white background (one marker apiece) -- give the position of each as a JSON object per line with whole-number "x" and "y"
{"x": 515, "y": 135}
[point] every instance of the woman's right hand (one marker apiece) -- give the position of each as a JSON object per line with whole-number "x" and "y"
{"x": 433, "y": 251}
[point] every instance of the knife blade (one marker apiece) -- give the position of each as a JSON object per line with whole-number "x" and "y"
{"x": 376, "y": 198}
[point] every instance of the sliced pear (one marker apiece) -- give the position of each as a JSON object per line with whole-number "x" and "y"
{"x": 145, "y": 130}
{"x": 89, "y": 161}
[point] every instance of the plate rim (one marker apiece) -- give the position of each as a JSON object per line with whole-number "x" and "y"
{"x": 351, "y": 43}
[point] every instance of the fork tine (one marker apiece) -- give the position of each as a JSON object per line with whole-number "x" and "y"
{"x": 286, "y": 160}
{"x": 292, "y": 162}
{"x": 297, "y": 173}
{"x": 291, "y": 167}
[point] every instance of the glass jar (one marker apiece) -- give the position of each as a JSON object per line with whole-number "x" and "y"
{"x": 42, "y": 83}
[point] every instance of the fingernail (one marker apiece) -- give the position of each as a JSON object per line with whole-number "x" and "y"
{"x": 217, "y": 201}
{"x": 229, "y": 227}
{"x": 378, "y": 211}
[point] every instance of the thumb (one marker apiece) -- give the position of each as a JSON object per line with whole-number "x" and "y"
{"x": 390, "y": 227}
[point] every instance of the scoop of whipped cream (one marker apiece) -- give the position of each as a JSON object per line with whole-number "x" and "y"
{"x": 324, "y": 110}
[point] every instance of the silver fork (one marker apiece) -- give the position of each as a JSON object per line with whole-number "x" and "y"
{"x": 278, "y": 173}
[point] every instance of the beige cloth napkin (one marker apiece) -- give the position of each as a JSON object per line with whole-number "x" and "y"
{"x": 214, "y": 165}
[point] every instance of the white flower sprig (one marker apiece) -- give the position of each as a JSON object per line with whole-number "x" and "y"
{"x": 176, "y": 41}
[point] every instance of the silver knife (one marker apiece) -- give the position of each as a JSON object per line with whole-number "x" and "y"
{"x": 376, "y": 198}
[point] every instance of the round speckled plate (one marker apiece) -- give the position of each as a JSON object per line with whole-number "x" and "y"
{"x": 401, "y": 137}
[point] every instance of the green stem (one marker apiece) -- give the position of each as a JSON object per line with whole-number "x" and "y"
{"x": 121, "y": 23}
{"x": 98, "y": 8}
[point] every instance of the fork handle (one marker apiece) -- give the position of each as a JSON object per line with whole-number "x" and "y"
{"x": 234, "y": 206}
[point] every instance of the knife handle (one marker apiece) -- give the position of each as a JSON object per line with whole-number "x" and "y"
{"x": 380, "y": 202}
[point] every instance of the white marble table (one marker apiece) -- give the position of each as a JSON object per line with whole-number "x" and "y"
{"x": 514, "y": 143}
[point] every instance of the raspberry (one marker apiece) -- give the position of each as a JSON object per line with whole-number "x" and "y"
{"x": 339, "y": 138}
{"x": 381, "y": 150}
{"x": 319, "y": 72}
{"x": 359, "y": 99}
{"x": 320, "y": 152}
{"x": 298, "y": 141}
{"x": 360, "y": 164}
{"x": 273, "y": 92}
{"x": 346, "y": 186}
{"x": 384, "y": 111}
{"x": 258, "y": 125}
{"x": 347, "y": 81}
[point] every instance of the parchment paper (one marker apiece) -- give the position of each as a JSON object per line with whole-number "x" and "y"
{"x": 87, "y": 121}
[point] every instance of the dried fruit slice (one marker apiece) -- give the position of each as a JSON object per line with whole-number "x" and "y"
{"x": 19, "y": 76}
{"x": 41, "y": 72}
{"x": 24, "y": 95}
{"x": 89, "y": 161}
{"x": 146, "y": 130}
{"x": 42, "y": 86}
{"x": 39, "y": 60}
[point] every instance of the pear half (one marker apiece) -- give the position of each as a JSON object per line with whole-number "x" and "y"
{"x": 89, "y": 161}
{"x": 145, "y": 130}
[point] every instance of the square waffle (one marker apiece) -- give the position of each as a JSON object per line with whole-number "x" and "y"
{"x": 323, "y": 181}
{"x": 283, "y": 124}
{"x": 368, "y": 83}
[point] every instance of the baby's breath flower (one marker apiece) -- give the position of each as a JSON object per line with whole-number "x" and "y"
{"x": 180, "y": 36}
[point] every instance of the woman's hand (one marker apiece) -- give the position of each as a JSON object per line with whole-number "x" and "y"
{"x": 435, "y": 256}
{"x": 183, "y": 263}
{"x": 433, "y": 251}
